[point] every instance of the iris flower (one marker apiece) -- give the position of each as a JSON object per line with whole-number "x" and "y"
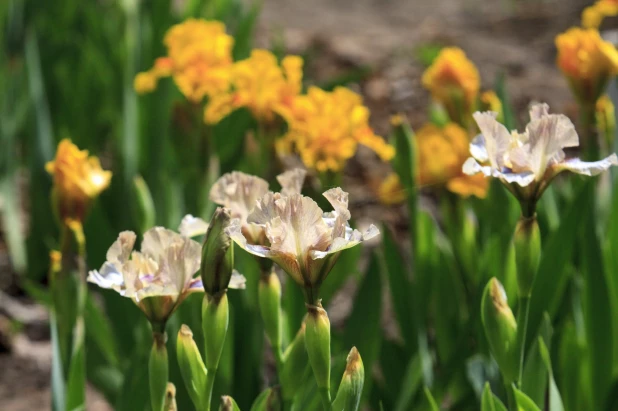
{"x": 527, "y": 162}
{"x": 303, "y": 240}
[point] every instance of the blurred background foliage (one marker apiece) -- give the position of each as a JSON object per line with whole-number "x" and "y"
{"x": 67, "y": 70}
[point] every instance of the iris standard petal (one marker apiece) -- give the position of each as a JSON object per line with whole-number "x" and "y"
{"x": 192, "y": 226}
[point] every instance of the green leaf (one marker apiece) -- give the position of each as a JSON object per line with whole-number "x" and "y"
{"x": 535, "y": 375}
{"x": 76, "y": 384}
{"x": 363, "y": 327}
{"x": 57, "y": 374}
{"x": 398, "y": 275}
{"x": 243, "y": 37}
{"x": 489, "y": 402}
{"x": 524, "y": 403}
{"x": 411, "y": 383}
{"x": 430, "y": 400}
{"x": 555, "y": 400}
{"x": 551, "y": 279}
{"x": 597, "y": 308}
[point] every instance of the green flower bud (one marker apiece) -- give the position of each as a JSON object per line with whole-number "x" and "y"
{"x": 144, "y": 205}
{"x": 351, "y": 387}
{"x": 217, "y": 254}
{"x": 170, "y": 398}
{"x": 500, "y": 329}
{"x": 158, "y": 372}
{"x": 527, "y": 240}
{"x": 215, "y": 320}
{"x": 268, "y": 400}
{"x": 294, "y": 365}
{"x": 228, "y": 404}
{"x": 191, "y": 366}
{"x": 317, "y": 342}
{"x": 269, "y": 296}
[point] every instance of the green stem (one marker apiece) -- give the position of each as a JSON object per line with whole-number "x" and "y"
{"x": 210, "y": 383}
{"x": 325, "y": 396}
{"x": 522, "y": 323}
{"x": 158, "y": 372}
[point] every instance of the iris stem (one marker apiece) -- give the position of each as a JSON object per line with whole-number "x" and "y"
{"x": 210, "y": 383}
{"x": 522, "y": 321}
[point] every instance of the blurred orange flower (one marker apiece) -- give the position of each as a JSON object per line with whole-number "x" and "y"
{"x": 199, "y": 58}
{"x": 78, "y": 179}
{"x": 260, "y": 84}
{"x": 453, "y": 81}
{"x": 324, "y": 128}
{"x": 587, "y": 61}
{"x": 442, "y": 152}
{"x": 390, "y": 191}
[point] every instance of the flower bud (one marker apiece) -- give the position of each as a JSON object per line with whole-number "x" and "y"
{"x": 191, "y": 366}
{"x": 500, "y": 329}
{"x": 144, "y": 205}
{"x": 228, "y": 404}
{"x": 351, "y": 387}
{"x": 170, "y": 398}
{"x": 268, "y": 400}
{"x": 217, "y": 254}
{"x": 294, "y": 364}
{"x": 215, "y": 320}
{"x": 317, "y": 342}
{"x": 158, "y": 373}
{"x": 269, "y": 296}
{"x": 527, "y": 240}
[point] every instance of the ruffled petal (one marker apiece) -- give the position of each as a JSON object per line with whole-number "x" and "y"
{"x": 192, "y": 226}
{"x": 120, "y": 251}
{"x": 108, "y": 277}
{"x": 586, "y": 168}
{"x": 497, "y": 137}
{"x": 156, "y": 241}
{"x": 292, "y": 181}
{"x": 472, "y": 167}
{"x": 478, "y": 150}
{"x": 238, "y": 192}
{"x": 237, "y": 281}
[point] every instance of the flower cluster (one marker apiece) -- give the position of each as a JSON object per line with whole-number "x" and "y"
{"x": 325, "y": 128}
{"x": 442, "y": 152}
{"x": 587, "y": 61}
{"x": 78, "y": 179}
{"x": 260, "y": 84}
{"x": 527, "y": 162}
{"x": 199, "y": 57}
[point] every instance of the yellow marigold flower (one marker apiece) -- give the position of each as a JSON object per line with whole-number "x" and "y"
{"x": 593, "y": 16}
{"x": 587, "y": 61}
{"x": 390, "y": 191}
{"x": 442, "y": 152}
{"x": 199, "y": 58}
{"x": 326, "y": 127}
{"x": 453, "y": 81}
{"x": 261, "y": 85}
{"x": 78, "y": 179}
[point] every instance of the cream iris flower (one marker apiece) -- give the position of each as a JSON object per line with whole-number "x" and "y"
{"x": 157, "y": 278}
{"x": 527, "y": 162}
{"x": 303, "y": 240}
{"x": 239, "y": 193}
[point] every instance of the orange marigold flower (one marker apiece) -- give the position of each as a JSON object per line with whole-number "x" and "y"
{"x": 442, "y": 152}
{"x": 324, "y": 128}
{"x": 78, "y": 180}
{"x": 587, "y": 61}
{"x": 260, "y": 84}
{"x": 199, "y": 58}
{"x": 453, "y": 81}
